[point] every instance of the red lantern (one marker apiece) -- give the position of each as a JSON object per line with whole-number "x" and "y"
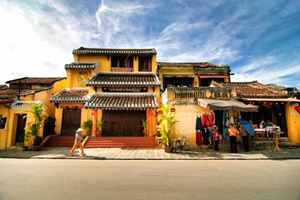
{"x": 94, "y": 112}
{"x": 297, "y": 108}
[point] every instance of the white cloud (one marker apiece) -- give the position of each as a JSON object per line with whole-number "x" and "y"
{"x": 270, "y": 70}
{"x": 36, "y": 43}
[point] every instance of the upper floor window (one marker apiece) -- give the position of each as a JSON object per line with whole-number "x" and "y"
{"x": 2, "y": 122}
{"x": 145, "y": 63}
{"x": 122, "y": 62}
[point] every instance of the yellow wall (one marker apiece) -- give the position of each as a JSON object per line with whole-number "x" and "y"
{"x": 293, "y": 122}
{"x": 58, "y": 120}
{"x": 73, "y": 75}
{"x": 4, "y": 111}
{"x": 59, "y": 85}
{"x": 103, "y": 61}
{"x": 177, "y": 71}
{"x": 185, "y": 115}
{"x": 13, "y": 121}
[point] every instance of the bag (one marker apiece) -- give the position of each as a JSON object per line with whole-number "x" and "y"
{"x": 220, "y": 137}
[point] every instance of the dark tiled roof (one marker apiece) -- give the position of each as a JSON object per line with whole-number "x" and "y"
{"x": 35, "y": 80}
{"x": 124, "y": 79}
{"x": 70, "y": 95}
{"x": 111, "y": 51}
{"x": 81, "y": 65}
{"x": 7, "y": 95}
{"x": 122, "y": 101}
{"x": 184, "y": 64}
{"x": 23, "y": 104}
{"x": 255, "y": 89}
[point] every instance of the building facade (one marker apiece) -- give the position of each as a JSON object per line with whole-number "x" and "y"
{"x": 16, "y": 101}
{"x": 174, "y": 74}
{"x": 117, "y": 86}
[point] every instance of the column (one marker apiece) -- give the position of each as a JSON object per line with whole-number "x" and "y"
{"x": 94, "y": 118}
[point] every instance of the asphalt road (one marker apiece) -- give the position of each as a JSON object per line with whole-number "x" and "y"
{"x": 133, "y": 179}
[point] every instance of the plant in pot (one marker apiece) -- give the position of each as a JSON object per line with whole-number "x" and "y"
{"x": 144, "y": 125}
{"x": 87, "y": 125}
{"x": 166, "y": 122}
{"x": 100, "y": 125}
{"x": 31, "y": 129}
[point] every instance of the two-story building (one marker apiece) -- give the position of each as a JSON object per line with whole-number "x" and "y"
{"x": 118, "y": 86}
{"x": 182, "y": 74}
{"x": 16, "y": 101}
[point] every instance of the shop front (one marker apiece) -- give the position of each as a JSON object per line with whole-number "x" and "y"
{"x": 123, "y": 114}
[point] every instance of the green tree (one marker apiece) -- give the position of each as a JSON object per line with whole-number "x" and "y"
{"x": 166, "y": 122}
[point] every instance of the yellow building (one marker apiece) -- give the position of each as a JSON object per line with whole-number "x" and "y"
{"x": 118, "y": 86}
{"x": 173, "y": 74}
{"x": 214, "y": 105}
{"x": 16, "y": 102}
{"x": 275, "y": 106}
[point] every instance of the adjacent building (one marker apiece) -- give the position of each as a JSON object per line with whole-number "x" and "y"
{"x": 16, "y": 100}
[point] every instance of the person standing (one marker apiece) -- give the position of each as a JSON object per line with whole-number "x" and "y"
{"x": 245, "y": 138}
{"x": 77, "y": 142}
{"x": 216, "y": 137}
{"x": 233, "y": 132}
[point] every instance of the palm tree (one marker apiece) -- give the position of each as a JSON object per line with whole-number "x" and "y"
{"x": 166, "y": 122}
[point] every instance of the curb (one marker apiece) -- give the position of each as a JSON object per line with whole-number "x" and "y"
{"x": 105, "y": 158}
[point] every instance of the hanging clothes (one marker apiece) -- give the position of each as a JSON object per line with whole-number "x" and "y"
{"x": 208, "y": 119}
{"x": 198, "y": 131}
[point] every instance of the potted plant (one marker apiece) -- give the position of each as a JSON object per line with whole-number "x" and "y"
{"x": 166, "y": 122}
{"x": 87, "y": 125}
{"x": 100, "y": 125}
{"x": 31, "y": 129}
{"x": 144, "y": 125}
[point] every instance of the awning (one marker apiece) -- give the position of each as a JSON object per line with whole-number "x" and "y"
{"x": 229, "y": 105}
{"x": 291, "y": 100}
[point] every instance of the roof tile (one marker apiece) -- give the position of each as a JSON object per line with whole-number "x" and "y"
{"x": 255, "y": 89}
{"x": 121, "y": 79}
{"x": 122, "y": 101}
{"x": 81, "y": 65}
{"x": 111, "y": 51}
{"x": 70, "y": 95}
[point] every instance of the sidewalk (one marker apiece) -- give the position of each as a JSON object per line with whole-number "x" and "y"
{"x": 150, "y": 154}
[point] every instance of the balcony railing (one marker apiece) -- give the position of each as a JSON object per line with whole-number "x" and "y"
{"x": 121, "y": 69}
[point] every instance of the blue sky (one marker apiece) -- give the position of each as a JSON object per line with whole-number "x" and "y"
{"x": 260, "y": 40}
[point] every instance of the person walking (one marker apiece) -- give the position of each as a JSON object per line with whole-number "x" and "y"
{"x": 77, "y": 142}
{"x": 245, "y": 138}
{"x": 216, "y": 137}
{"x": 233, "y": 132}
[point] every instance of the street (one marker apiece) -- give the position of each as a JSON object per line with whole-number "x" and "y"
{"x": 153, "y": 179}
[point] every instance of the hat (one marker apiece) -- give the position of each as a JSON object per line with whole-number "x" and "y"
{"x": 79, "y": 130}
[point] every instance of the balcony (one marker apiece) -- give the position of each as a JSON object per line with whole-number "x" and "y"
{"x": 121, "y": 69}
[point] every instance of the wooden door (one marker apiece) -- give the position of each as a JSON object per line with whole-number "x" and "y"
{"x": 123, "y": 123}
{"x": 71, "y": 119}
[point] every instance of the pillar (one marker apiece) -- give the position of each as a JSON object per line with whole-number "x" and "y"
{"x": 94, "y": 118}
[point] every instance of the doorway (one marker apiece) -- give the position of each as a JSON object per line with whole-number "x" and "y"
{"x": 71, "y": 120}
{"x": 123, "y": 123}
{"x": 21, "y": 123}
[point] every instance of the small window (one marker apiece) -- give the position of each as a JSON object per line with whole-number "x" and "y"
{"x": 122, "y": 62}
{"x": 2, "y": 122}
{"x": 145, "y": 63}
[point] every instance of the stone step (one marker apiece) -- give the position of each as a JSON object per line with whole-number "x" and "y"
{"x": 103, "y": 142}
